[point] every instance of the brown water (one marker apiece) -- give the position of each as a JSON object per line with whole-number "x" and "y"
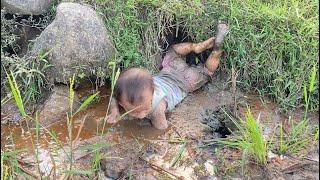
{"x": 19, "y": 136}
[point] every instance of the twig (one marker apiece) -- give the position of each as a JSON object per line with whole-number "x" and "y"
{"x": 170, "y": 141}
{"x": 29, "y": 172}
{"x": 234, "y": 88}
{"x": 80, "y": 128}
{"x": 174, "y": 129}
{"x": 301, "y": 159}
{"x": 158, "y": 168}
{"x": 54, "y": 166}
{"x": 313, "y": 160}
{"x": 294, "y": 167}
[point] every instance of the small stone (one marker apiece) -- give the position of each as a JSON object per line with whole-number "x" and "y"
{"x": 271, "y": 155}
{"x": 209, "y": 167}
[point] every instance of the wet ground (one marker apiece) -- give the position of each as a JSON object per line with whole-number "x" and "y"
{"x": 134, "y": 149}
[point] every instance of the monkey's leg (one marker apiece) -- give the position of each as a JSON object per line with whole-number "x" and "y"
{"x": 213, "y": 60}
{"x": 222, "y": 32}
{"x": 186, "y": 48}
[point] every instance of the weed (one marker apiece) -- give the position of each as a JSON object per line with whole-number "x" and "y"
{"x": 299, "y": 137}
{"x": 282, "y": 144}
{"x": 72, "y": 170}
{"x": 249, "y": 139}
{"x": 114, "y": 77}
{"x": 180, "y": 154}
{"x": 271, "y": 59}
{"x": 9, "y": 165}
{"x": 5, "y": 100}
{"x": 30, "y": 74}
{"x": 95, "y": 164}
{"x": 16, "y": 94}
{"x": 96, "y": 147}
{"x": 311, "y": 88}
{"x": 316, "y": 135}
{"x": 86, "y": 102}
{"x": 77, "y": 171}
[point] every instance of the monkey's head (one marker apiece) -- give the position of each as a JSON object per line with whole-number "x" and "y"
{"x": 134, "y": 91}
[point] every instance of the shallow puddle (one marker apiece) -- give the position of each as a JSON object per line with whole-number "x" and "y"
{"x": 93, "y": 116}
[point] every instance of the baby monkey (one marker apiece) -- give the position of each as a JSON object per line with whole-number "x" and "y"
{"x": 142, "y": 94}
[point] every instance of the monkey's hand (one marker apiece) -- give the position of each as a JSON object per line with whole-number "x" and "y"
{"x": 113, "y": 117}
{"x": 159, "y": 120}
{"x": 206, "y": 71}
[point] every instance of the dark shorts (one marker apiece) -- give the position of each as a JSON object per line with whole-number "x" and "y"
{"x": 193, "y": 77}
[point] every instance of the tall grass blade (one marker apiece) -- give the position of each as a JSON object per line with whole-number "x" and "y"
{"x": 16, "y": 94}
{"x": 5, "y": 100}
{"x": 255, "y": 136}
{"x": 114, "y": 80}
{"x": 43, "y": 55}
{"x": 305, "y": 93}
{"x": 71, "y": 94}
{"x": 86, "y": 102}
{"x": 312, "y": 79}
{"x": 74, "y": 171}
{"x": 316, "y": 135}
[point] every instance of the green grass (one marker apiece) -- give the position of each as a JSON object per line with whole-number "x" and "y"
{"x": 180, "y": 154}
{"x": 86, "y": 102}
{"x": 273, "y": 45}
{"x": 298, "y": 138}
{"x": 249, "y": 139}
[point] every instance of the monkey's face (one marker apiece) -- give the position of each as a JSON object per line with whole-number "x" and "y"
{"x": 142, "y": 109}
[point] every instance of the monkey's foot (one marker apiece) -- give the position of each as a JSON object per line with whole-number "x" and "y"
{"x": 223, "y": 29}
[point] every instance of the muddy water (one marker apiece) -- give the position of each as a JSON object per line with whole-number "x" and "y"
{"x": 93, "y": 121}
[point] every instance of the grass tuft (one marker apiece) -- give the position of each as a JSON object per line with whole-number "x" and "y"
{"x": 249, "y": 139}
{"x": 296, "y": 139}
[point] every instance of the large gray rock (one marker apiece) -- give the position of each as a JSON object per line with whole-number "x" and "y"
{"x": 10, "y": 112}
{"x": 26, "y": 7}
{"x": 79, "y": 43}
{"x": 57, "y": 105}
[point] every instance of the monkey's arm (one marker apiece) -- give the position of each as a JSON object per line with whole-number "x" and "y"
{"x": 159, "y": 120}
{"x": 114, "y": 111}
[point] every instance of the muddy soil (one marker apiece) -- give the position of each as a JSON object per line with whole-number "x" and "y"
{"x": 134, "y": 149}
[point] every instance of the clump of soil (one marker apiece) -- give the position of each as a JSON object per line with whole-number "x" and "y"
{"x": 219, "y": 122}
